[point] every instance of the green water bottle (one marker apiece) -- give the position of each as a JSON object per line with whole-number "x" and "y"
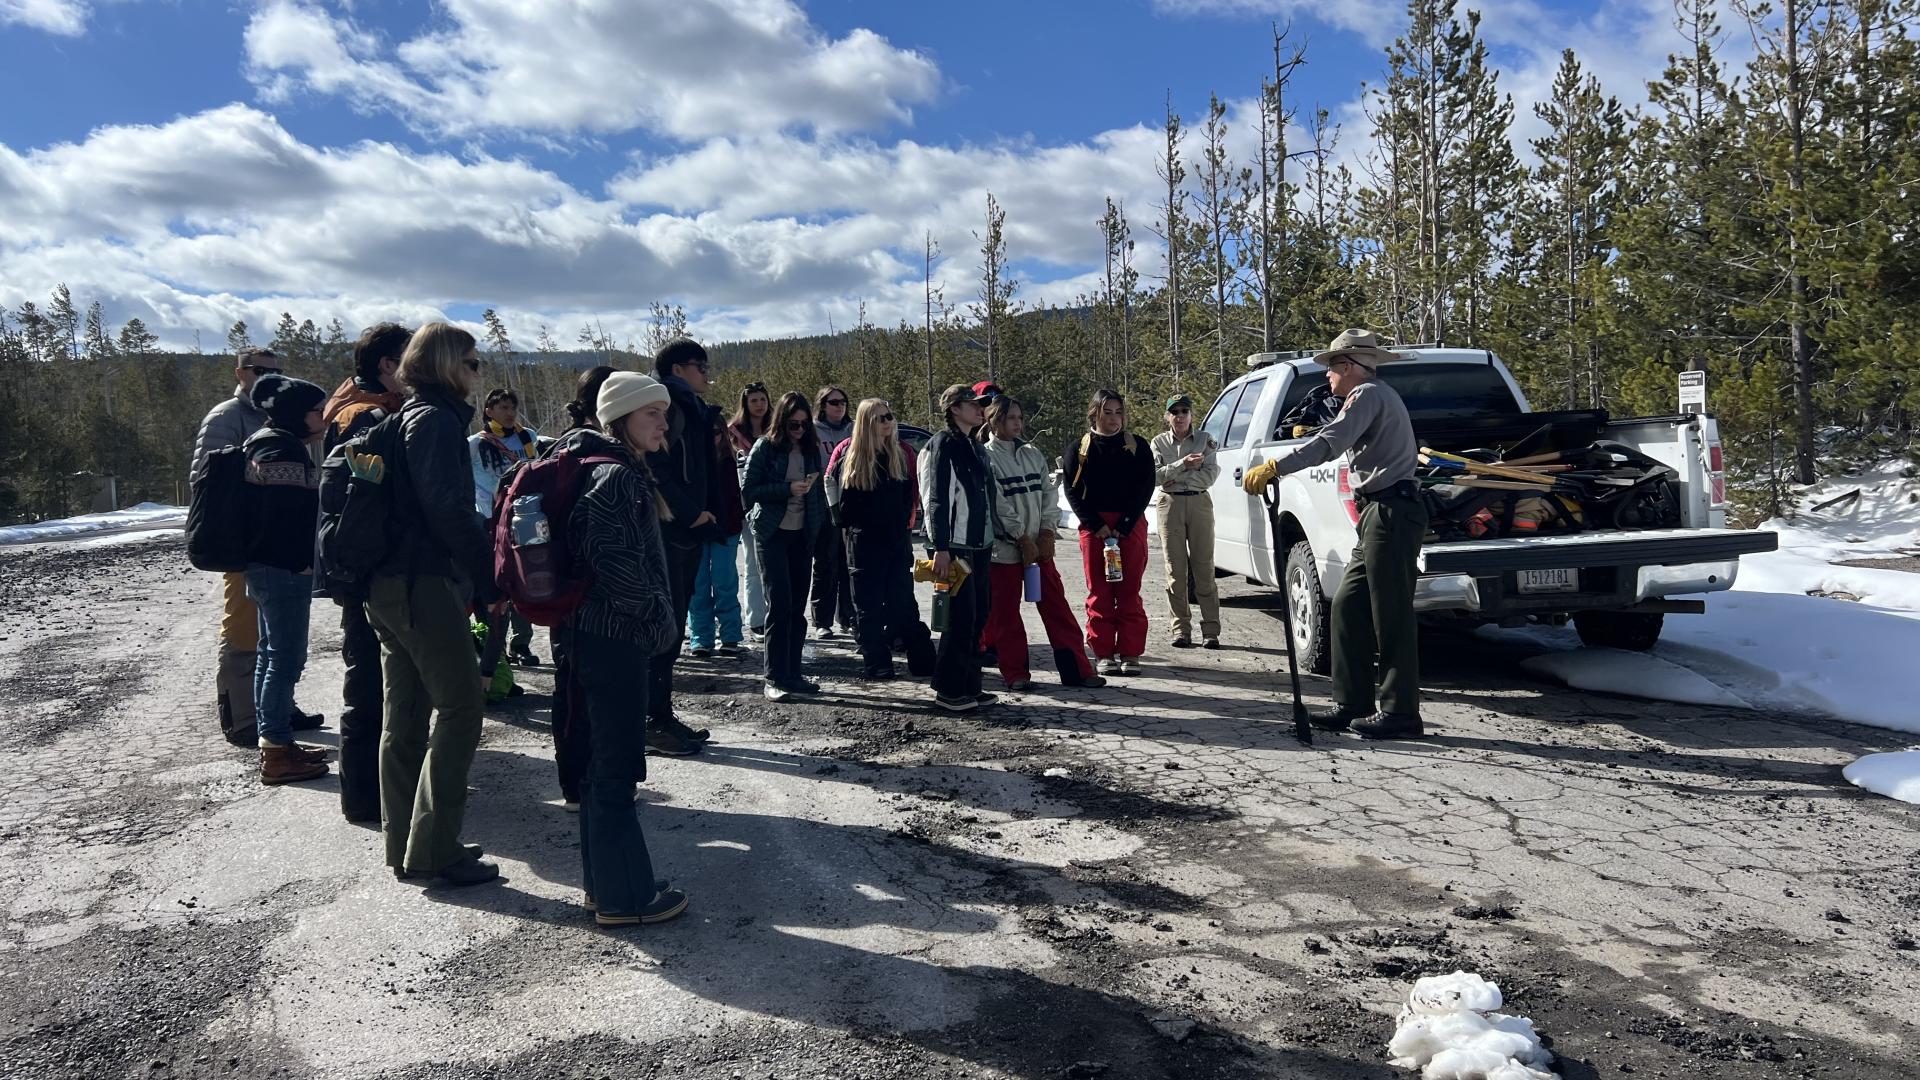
{"x": 942, "y": 599}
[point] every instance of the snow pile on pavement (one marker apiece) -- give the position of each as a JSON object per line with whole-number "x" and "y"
{"x": 1895, "y": 775}
{"x": 1768, "y": 643}
{"x": 1450, "y": 1030}
{"x": 145, "y": 515}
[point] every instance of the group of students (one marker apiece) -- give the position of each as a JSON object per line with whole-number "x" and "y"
{"x": 826, "y": 494}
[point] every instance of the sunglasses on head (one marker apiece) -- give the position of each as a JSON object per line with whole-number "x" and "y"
{"x": 756, "y": 388}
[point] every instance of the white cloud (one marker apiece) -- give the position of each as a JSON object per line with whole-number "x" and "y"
{"x": 684, "y": 68}
{"x": 67, "y": 18}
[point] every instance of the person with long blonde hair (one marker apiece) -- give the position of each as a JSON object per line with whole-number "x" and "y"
{"x": 875, "y": 481}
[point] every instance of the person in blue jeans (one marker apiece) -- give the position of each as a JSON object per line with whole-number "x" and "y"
{"x": 716, "y": 599}
{"x": 285, "y": 488}
{"x": 624, "y": 621}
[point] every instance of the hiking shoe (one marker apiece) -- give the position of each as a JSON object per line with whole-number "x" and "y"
{"x": 802, "y": 686}
{"x": 984, "y": 698}
{"x": 666, "y": 904}
{"x": 774, "y": 691}
{"x": 1212, "y": 643}
{"x": 1386, "y": 725}
{"x": 287, "y": 765}
{"x": 1129, "y": 665}
{"x": 702, "y": 651}
{"x": 310, "y": 753}
{"x": 961, "y": 703}
{"x": 1183, "y": 642}
{"x": 663, "y": 739}
{"x": 305, "y": 721}
{"x": 1020, "y": 685}
{"x": 467, "y": 851}
{"x": 523, "y": 658}
{"x": 1109, "y": 666}
{"x": 466, "y": 871}
{"x": 1337, "y": 718}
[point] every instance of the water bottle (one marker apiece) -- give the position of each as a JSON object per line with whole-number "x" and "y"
{"x": 532, "y": 538}
{"x": 1032, "y": 590}
{"x": 942, "y": 599}
{"x": 1116, "y": 569}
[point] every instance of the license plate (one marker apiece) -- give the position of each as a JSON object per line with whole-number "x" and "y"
{"x": 1539, "y": 581}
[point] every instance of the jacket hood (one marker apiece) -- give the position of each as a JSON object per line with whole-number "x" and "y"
{"x": 351, "y": 393}
{"x": 835, "y": 432}
{"x": 586, "y": 442}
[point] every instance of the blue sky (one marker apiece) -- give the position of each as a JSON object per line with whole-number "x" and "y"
{"x": 768, "y": 164}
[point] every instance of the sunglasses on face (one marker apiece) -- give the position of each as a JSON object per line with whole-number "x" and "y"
{"x": 798, "y": 425}
{"x": 842, "y": 402}
{"x": 887, "y": 419}
{"x": 262, "y": 369}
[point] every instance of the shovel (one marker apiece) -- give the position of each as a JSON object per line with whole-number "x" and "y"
{"x": 1302, "y": 730}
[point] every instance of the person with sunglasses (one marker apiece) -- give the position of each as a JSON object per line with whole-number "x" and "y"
{"x": 750, "y": 419}
{"x": 689, "y": 484}
{"x": 229, "y": 424}
{"x": 832, "y": 581}
{"x": 789, "y": 511}
{"x": 873, "y": 472}
{"x": 1185, "y": 468}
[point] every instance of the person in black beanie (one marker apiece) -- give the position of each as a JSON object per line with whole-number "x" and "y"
{"x": 286, "y": 505}
{"x": 685, "y": 471}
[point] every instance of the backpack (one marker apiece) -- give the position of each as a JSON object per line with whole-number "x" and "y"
{"x": 532, "y": 564}
{"x": 220, "y": 513}
{"x": 357, "y": 479}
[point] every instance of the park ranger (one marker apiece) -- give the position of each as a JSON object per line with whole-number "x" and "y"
{"x": 1373, "y": 608}
{"x": 1184, "y": 468}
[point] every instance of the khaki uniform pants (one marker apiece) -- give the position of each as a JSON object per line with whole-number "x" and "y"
{"x": 239, "y": 619}
{"x": 426, "y": 653}
{"x": 1186, "y": 535}
{"x": 1373, "y": 610}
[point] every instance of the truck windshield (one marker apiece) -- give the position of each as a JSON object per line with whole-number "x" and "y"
{"x": 1432, "y": 390}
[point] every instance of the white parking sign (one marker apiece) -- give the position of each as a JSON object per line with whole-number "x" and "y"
{"x": 1693, "y": 392}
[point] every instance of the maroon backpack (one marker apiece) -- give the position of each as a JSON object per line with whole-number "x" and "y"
{"x": 531, "y": 561}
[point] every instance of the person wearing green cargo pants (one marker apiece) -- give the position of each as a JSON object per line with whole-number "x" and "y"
{"x": 428, "y": 658}
{"x": 1373, "y": 607}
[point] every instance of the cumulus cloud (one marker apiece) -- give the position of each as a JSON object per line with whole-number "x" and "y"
{"x": 67, "y": 18}
{"x": 689, "y": 69}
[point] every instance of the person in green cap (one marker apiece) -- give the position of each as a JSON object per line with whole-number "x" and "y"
{"x": 1373, "y": 607}
{"x": 1184, "y": 468}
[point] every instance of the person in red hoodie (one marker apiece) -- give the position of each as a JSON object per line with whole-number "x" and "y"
{"x": 356, "y": 405}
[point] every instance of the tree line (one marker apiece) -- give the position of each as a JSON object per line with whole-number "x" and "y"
{"x": 1755, "y": 217}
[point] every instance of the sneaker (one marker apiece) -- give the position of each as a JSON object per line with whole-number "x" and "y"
{"x": 774, "y": 691}
{"x": 305, "y": 721}
{"x": 467, "y": 871}
{"x": 1211, "y": 643}
{"x": 1020, "y": 685}
{"x": 1093, "y": 682}
{"x": 1129, "y": 665}
{"x": 984, "y": 698}
{"x": 702, "y": 651}
{"x": 571, "y": 806}
{"x": 680, "y": 728}
{"x": 880, "y": 674}
{"x": 287, "y": 765}
{"x": 730, "y": 648}
{"x": 966, "y": 703}
{"x": 1338, "y": 717}
{"x": 523, "y": 658}
{"x": 660, "y": 885}
{"x": 1385, "y": 725}
{"x": 662, "y": 739}
{"x": 826, "y": 633}
{"x": 759, "y": 633}
{"x": 1183, "y": 642}
{"x": 666, "y": 904}
{"x": 1109, "y": 666}
{"x": 802, "y": 686}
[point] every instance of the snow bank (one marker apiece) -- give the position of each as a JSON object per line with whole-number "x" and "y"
{"x": 1895, "y": 775}
{"x": 144, "y": 515}
{"x": 1449, "y": 1030}
{"x": 1634, "y": 674}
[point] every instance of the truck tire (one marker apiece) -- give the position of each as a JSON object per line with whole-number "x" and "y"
{"x": 1632, "y": 630}
{"x": 1312, "y": 616}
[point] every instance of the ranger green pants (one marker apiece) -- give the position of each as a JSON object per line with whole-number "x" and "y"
{"x": 1373, "y": 610}
{"x": 426, "y": 655}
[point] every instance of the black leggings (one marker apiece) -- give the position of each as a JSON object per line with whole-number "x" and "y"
{"x": 786, "y": 560}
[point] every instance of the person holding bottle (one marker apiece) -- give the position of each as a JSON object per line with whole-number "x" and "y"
{"x": 955, "y": 490}
{"x": 1110, "y": 482}
{"x": 789, "y": 511}
{"x": 1026, "y": 502}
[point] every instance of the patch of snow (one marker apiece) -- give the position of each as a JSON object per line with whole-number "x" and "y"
{"x": 1449, "y": 1030}
{"x": 144, "y": 515}
{"x": 1895, "y": 775}
{"x": 1634, "y": 674}
{"x": 138, "y": 536}
{"x": 1070, "y": 520}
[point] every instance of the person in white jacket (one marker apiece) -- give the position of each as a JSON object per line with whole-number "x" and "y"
{"x": 1026, "y": 520}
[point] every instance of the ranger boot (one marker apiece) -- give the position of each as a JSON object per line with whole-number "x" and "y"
{"x": 288, "y": 765}
{"x": 1338, "y": 717}
{"x": 1385, "y": 725}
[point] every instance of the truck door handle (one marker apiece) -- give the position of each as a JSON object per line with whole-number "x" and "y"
{"x": 1236, "y": 472}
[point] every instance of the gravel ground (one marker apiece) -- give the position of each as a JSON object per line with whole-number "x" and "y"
{"x": 1151, "y": 880}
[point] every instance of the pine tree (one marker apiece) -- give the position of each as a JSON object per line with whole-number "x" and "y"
{"x": 63, "y": 321}
{"x": 337, "y": 350}
{"x": 99, "y": 343}
{"x": 997, "y": 285}
{"x": 663, "y": 325}
{"x": 1216, "y": 218}
{"x": 286, "y": 338}
{"x": 1172, "y": 228}
{"x": 135, "y": 340}
{"x": 237, "y": 339}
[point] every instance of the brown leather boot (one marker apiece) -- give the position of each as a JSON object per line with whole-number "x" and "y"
{"x": 288, "y": 765}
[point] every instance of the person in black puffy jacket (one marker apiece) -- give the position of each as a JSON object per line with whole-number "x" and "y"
{"x": 876, "y": 497}
{"x": 286, "y": 504}
{"x": 417, "y": 603}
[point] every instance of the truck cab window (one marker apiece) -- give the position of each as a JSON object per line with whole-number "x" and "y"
{"x": 1216, "y": 422}
{"x": 1243, "y": 414}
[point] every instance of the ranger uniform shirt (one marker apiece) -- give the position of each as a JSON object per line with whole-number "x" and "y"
{"x": 1373, "y": 423}
{"x": 1168, "y": 471}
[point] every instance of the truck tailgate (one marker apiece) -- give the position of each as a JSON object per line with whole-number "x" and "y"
{"x": 1649, "y": 547}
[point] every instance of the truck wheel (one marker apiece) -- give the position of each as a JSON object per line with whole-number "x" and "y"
{"x": 1307, "y": 603}
{"x": 1632, "y": 630}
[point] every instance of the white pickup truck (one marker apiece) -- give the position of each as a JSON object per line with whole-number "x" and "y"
{"x": 1614, "y": 583}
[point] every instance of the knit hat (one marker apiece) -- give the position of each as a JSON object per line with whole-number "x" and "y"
{"x": 625, "y": 391}
{"x": 286, "y": 401}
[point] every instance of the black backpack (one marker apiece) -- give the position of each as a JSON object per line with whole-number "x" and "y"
{"x": 220, "y": 513}
{"x": 356, "y": 509}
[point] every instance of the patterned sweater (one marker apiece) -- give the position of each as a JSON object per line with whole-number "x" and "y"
{"x": 615, "y": 530}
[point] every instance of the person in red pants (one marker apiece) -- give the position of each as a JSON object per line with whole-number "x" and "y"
{"x": 1110, "y": 481}
{"x": 1026, "y": 505}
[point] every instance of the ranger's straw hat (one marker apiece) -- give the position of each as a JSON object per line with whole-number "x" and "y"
{"x": 1359, "y": 346}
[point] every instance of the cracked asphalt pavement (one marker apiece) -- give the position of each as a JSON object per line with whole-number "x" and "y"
{"x": 1149, "y": 880}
